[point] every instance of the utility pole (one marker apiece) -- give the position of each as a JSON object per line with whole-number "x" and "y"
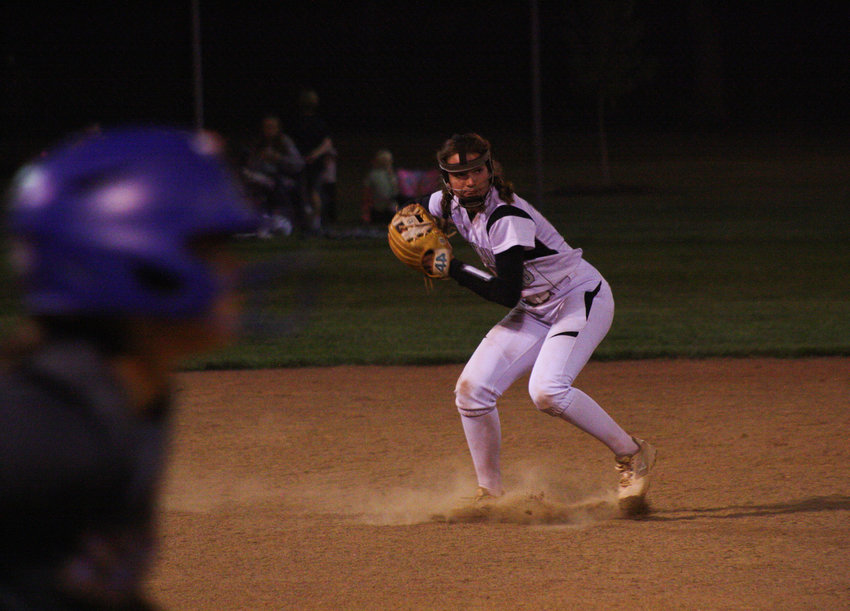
{"x": 197, "y": 71}
{"x": 535, "y": 102}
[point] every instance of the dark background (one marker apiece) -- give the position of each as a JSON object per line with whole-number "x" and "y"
{"x": 395, "y": 66}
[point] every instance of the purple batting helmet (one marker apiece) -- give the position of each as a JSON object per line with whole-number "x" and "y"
{"x": 104, "y": 224}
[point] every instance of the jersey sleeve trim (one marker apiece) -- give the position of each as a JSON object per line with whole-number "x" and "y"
{"x": 506, "y": 210}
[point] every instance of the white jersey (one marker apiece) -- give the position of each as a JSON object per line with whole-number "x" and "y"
{"x": 549, "y": 260}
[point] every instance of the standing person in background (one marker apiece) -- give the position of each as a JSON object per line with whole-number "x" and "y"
{"x": 381, "y": 195}
{"x": 312, "y": 136}
{"x": 560, "y": 310}
{"x": 119, "y": 242}
{"x": 272, "y": 171}
{"x": 327, "y": 187}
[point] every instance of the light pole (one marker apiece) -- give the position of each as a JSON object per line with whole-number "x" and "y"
{"x": 535, "y": 102}
{"x": 197, "y": 71}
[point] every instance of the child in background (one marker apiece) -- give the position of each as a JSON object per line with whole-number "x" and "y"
{"x": 381, "y": 195}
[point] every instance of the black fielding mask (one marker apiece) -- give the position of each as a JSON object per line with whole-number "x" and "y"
{"x": 461, "y": 153}
{"x": 464, "y": 164}
{"x": 461, "y": 147}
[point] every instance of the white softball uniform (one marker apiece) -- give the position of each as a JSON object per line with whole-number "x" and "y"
{"x": 565, "y": 312}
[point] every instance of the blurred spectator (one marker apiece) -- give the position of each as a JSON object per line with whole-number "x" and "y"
{"x": 381, "y": 196}
{"x": 119, "y": 242}
{"x": 313, "y": 138}
{"x": 414, "y": 183}
{"x": 272, "y": 172}
{"x": 327, "y": 187}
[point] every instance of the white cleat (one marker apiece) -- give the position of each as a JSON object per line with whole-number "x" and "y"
{"x": 483, "y": 495}
{"x": 477, "y": 508}
{"x": 635, "y": 471}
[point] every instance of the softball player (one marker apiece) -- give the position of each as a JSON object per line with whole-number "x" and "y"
{"x": 561, "y": 309}
{"x": 117, "y": 242}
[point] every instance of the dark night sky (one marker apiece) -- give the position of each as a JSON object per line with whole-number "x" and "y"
{"x": 407, "y": 66}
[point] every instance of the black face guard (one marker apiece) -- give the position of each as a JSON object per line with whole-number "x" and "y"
{"x": 473, "y": 203}
{"x": 464, "y": 165}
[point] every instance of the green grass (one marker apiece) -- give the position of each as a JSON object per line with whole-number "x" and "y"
{"x": 712, "y": 248}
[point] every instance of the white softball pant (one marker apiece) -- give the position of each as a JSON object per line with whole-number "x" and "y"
{"x": 553, "y": 342}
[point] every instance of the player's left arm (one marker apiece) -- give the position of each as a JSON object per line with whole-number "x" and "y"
{"x": 512, "y": 232}
{"x": 504, "y": 288}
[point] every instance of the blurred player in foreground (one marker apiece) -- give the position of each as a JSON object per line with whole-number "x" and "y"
{"x": 561, "y": 309}
{"x": 118, "y": 240}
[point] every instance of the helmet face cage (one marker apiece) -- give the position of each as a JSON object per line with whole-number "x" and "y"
{"x": 105, "y": 224}
{"x": 462, "y": 146}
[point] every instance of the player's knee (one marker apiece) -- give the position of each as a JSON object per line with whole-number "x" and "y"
{"x": 550, "y": 398}
{"x": 473, "y": 399}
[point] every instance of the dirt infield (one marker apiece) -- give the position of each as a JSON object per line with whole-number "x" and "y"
{"x": 316, "y": 489}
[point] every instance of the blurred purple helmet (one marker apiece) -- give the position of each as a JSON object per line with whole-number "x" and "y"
{"x": 103, "y": 224}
